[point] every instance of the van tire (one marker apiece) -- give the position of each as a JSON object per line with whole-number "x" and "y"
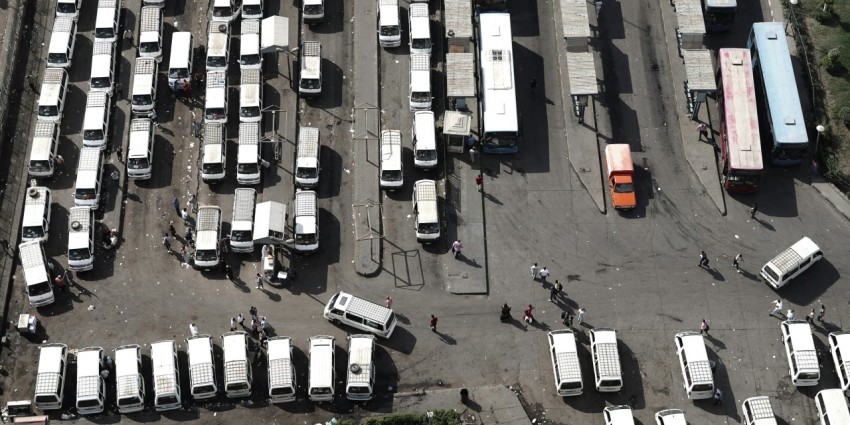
{"x": 32, "y": 192}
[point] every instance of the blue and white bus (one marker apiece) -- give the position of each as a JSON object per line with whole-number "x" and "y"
{"x": 778, "y": 90}
{"x": 498, "y": 88}
{"x": 719, "y": 15}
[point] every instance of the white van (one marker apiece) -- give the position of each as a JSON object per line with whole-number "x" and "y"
{"x": 565, "y": 364}
{"x": 51, "y": 101}
{"x": 216, "y": 97}
{"x": 618, "y": 415}
{"x": 39, "y": 284}
{"x": 238, "y": 377}
{"x": 305, "y": 222}
{"x": 420, "y": 82}
{"x": 140, "y": 149}
{"x": 606, "y": 360}
{"x": 281, "y": 371}
{"x": 839, "y": 346}
{"x": 322, "y": 370}
{"x": 242, "y": 225}
{"x": 389, "y": 30}
{"x": 361, "y": 314}
{"x": 218, "y": 48}
{"x": 143, "y": 96}
{"x": 420, "y": 29}
{"x": 427, "y": 221}
{"x": 88, "y": 186}
{"x": 424, "y": 140}
{"x": 60, "y": 51}
{"x": 310, "y": 78}
{"x": 129, "y": 384}
{"x": 696, "y": 369}
{"x": 832, "y": 407}
{"x": 392, "y": 174}
{"x": 68, "y": 8}
{"x": 36, "y": 220}
{"x": 180, "y": 62}
{"x": 252, "y": 9}
{"x": 307, "y": 158}
{"x": 50, "y": 381}
{"x": 45, "y": 145}
{"x": 166, "y": 376}
{"x": 202, "y": 382}
{"x": 102, "y": 67}
{"x": 150, "y": 32}
{"x": 224, "y": 11}
{"x": 214, "y": 160}
{"x": 91, "y": 387}
{"x": 803, "y": 364}
{"x": 313, "y": 11}
{"x": 361, "y": 369}
{"x": 251, "y": 96}
{"x": 670, "y": 417}
{"x": 81, "y": 226}
{"x": 106, "y": 22}
{"x": 758, "y": 411}
{"x": 790, "y": 263}
{"x": 248, "y": 154}
{"x": 208, "y": 229}
{"x": 96, "y": 120}
{"x": 249, "y": 45}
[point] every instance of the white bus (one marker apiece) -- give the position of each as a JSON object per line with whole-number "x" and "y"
{"x": 498, "y": 91}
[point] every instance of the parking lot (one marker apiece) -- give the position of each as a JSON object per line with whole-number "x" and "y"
{"x": 636, "y": 273}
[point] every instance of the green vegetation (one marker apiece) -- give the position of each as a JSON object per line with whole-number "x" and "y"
{"x": 441, "y": 417}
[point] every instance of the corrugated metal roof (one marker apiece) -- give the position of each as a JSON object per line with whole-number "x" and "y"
{"x": 460, "y": 75}
{"x": 574, "y": 20}
{"x": 689, "y": 17}
{"x": 458, "y": 15}
{"x": 582, "y": 70}
{"x": 699, "y": 70}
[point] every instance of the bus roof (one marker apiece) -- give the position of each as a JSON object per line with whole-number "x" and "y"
{"x": 497, "y": 73}
{"x": 780, "y": 87}
{"x": 740, "y": 115}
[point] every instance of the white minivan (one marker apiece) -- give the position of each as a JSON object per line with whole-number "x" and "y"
{"x": 102, "y": 67}
{"x": 427, "y": 221}
{"x": 208, "y": 227}
{"x": 790, "y": 263}
{"x": 839, "y": 346}
{"x": 50, "y": 379}
{"x": 389, "y": 30}
{"x": 565, "y": 364}
{"x": 51, "y": 101}
{"x": 310, "y": 77}
{"x": 39, "y": 284}
{"x": 106, "y": 21}
{"x": 251, "y": 96}
{"x": 238, "y": 376}
{"x": 91, "y": 387}
{"x": 216, "y": 97}
{"x": 305, "y": 217}
{"x": 224, "y": 11}
{"x": 618, "y": 415}
{"x": 166, "y": 376}
{"x": 214, "y": 159}
{"x": 140, "y": 149}
{"x": 606, "y": 360}
{"x": 670, "y": 417}
{"x": 758, "y": 411}
{"x": 361, "y": 314}
{"x": 420, "y": 82}
{"x": 392, "y": 173}
{"x": 696, "y": 369}
{"x": 180, "y": 62}
{"x": 803, "y": 366}
{"x": 88, "y": 186}
{"x": 322, "y": 371}
{"x": 360, "y": 384}
{"x": 45, "y": 146}
{"x": 424, "y": 140}
{"x": 242, "y": 224}
{"x": 36, "y": 220}
{"x": 313, "y": 11}
{"x": 307, "y": 155}
{"x": 81, "y": 226}
{"x": 252, "y": 9}
{"x": 150, "y": 32}
{"x": 129, "y": 383}
{"x": 420, "y": 29}
{"x": 832, "y": 407}
{"x": 68, "y": 8}
{"x": 282, "y": 378}
{"x": 96, "y": 120}
{"x": 143, "y": 96}
{"x": 249, "y": 45}
{"x": 202, "y": 382}
{"x": 60, "y": 51}
{"x": 218, "y": 48}
{"x": 248, "y": 170}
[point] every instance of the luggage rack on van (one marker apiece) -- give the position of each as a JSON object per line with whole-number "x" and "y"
{"x": 79, "y": 219}
{"x": 419, "y": 10}
{"x": 806, "y": 359}
{"x": 250, "y": 26}
{"x": 280, "y": 371}
{"x": 308, "y": 142}
{"x": 700, "y": 371}
{"x": 244, "y": 211}
{"x": 96, "y": 99}
{"x": 165, "y": 384}
{"x": 30, "y": 254}
{"x": 102, "y": 47}
{"x": 568, "y": 366}
{"x": 213, "y": 132}
{"x": 787, "y": 261}
{"x": 235, "y": 371}
{"x": 36, "y": 196}
{"x": 140, "y": 125}
{"x": 207, "y": 222}
{"x": 47, "y": 383}
{"x": 311, "y": 48}
{"x": 249, "y": 133}
{"x": 201, "y": 374}
{"x": 107, "y": 3}
{"x": 89, "y": 159}
{"x": 609, "y": 359}
{"x": 44, "y": 130}
{"x": 53, "y": 76}
{"x": 420, "y": 62}
{"x": 88, "y": 386}
{"x": 305, "y": 206}
{"x": 368, "y": 309}
{"x": 145, "y": 65}
{"x": 150, "y": 19}
{"x": 127, "y": 386}
{"x": 760, "y": 408}
{"x": 250, "y": 76}
{"x": 216, "y": 79}
{"x": 63, "y": 24}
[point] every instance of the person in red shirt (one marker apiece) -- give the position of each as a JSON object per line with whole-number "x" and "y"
{"x": 433, "y": 323}
{"x": 59, "y": 281}
{"x": 478, "y": 181}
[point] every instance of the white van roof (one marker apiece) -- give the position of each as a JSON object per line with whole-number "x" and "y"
{"x": 307, "y": 151}
{"x": 280, "y": 361}
{"x": 360, "y": 349}
{"x": 140, "y": 130}
{"x": 198, "y": 348}
{"x": 250, "y": 27}
{"x": 79, "y": 238}
{"x": 423, "y": 122}
{"x": 34, "y": 205}
{"x": 181, "y": 44}
{"x": 835, "y": 406}
{"x": 100, "y": 65}
{"x": 391, "y": 149}
{"x": 347, "y": 302}
{"x": 88, "y": 167}
{"x": 426, "y": 190}
{"x": 762, "y": 412}
{"x": 694, "y": 345}
{"x": 305, "y": 212}
{"x": 105, "y": 17}
{"x": 42, "y": 139}
{"x": 48, "y": 357}
{"x": 163, "y": 367}
{"x": 620, "y": 415}
{"x": 244, "y": 203}
{"x": 249, "y": 140}
{"x": 217, "y": 41}
{"x": 419, "y": 25}
{"x": 388, "y": 12}
{"x": 842, "y": 342}
{"x": 321, "y": 351}
{"x": 126, "y": 363}
{"x": 801, "y": 335}
{"x": 32, "y": 260}
{"x": 566, "y": 355}
{"x": 62, "y": 27}
{"x": 88, "y": 361}
{"x": 234, "y": 346}
{"x": 249, "y": 44}
{"x": 51, "y": 86}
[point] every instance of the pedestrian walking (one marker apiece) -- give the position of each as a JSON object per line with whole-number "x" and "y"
{"x": 580, "y": 317}
{"x": 553, "y": 292}
{"x": 228, "y": 271}
{"x": 559, "y": 288}
{"x": 528, "y": 315}
{"x": 703, "y": 131}
{"x": 811, "y": 317}
{"x": 718, "y": 396}
{"x": 59, "y": 160}
{"x": 598, "y": 5}
{"x": 199, "y": 79}
{"x": 473, "y": 153}
{"x": 777, "y": 307}
{"x": 128, "y": 35}
{"x": 185, "y": 215}
{"x": 259, "y": 281}
{"x": 196, "y": 129}
{"x": 241, "y": 320}
{"x": 232, "y": 324}
{"x": 790, "y": 314}
{"x": 737, "y": 262}
{"x": 264, "y": 324}
{"x": 534, "y": 271}
{"x": 185, "y": 253}
{"x": 253, "y": 312}
{"x": 703, "y": 327}
{"x": 433, "y": 323}
{"x": 193, "y": 328}
{"x": 262, "y": 337}
{"x": 176, "y": 203}
{"x": 188, "y": 236}
{"x": 69, "y": 277}
{"x": 821, "y": 313}
{"x": 187, "y": 88}
{"x": 389, "y": 302}
{"x": 567, "y": 318}
{"x": 754, "y": 210}
{"x": 172, "y": 230}
{"x": 32, "y": 84}
{"x": 119, "y": 91}
{"x": 166, "y": 240}
{"x": 457, "y": 247}
{"x": 544, "y": 273}
{"x": 479, "y": 180}
{"x": 59, "y": 281}
{"x": 533, "y": 83}
{"x": 703, "y": 259}
{"x": 254, "y": 323}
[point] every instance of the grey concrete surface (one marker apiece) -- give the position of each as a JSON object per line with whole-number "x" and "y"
{"x": 492, "y": 404}
{"x": 466, "y": 273}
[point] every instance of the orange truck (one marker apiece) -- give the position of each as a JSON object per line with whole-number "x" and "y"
{"x": 621, "y": 171}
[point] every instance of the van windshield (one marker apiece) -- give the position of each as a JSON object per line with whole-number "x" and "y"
{"x": 48, "y": 111}
{"x": 104, "y": 33}
{"x": 624, "y": 188}
{"x": 421, "y": 43}
{"x": 237, "y": 386}
{"x": 240, "y": 236}
{"x": 808, "y": 375}
{"x": 771, "y": 273}
{"x": 313, "y": 9}
{"x": 85, "y": 194}
{"x": 215, "y": 113}
{"x": 142, "y": 99}
{"x": 389, "y": 31}
{"x": 40, "y": 288}
{"x": 78, "y": 254}
{"x": 66, "y": 8}
{"x": 249, "y": 60}
{"x": 57, "y": 58}
{"x": 429, "y": 228}
{"x": 358, "y": 390}
{"x": 203, "y": 389}
{"x": 320, "y": 391}
{"x": 178, "y": 73}
{"x": 310, "y": 83}
{"x": 420, "y": 96}
{"x": 33, "y": 232}
{"x": 45, "y": 399}
{"x": 306, "y": 173}
{"x": 391, "y": 175}
{"x": 251, "y": 168}
{"x": 166, "y": 400}
{"x": 426, "y": 155}
{"x": 88, "y": 403}
{"x": 251, "y": 9}
{"x": 42, "y": 165}
{"x": 702, "y": 387}
{"x": 128, "y": 401}
{"x": 282, "y": 391}
{"x": 216, "y": 62}
{"x": 213, "y": 168}
{"x": 570, "y": 385}
{"x": 610, "y": 383}
{"x": 149, "y": 47}
{"x": 221, "y": 12}
{"x": 249, "y": 111}
{"x": 305, "y": 238}
{"x": 93, "y": 134}
{"x": 205, "y": 255}
{"x": 99, "y": 82}
{"x": 138, "y": 163}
